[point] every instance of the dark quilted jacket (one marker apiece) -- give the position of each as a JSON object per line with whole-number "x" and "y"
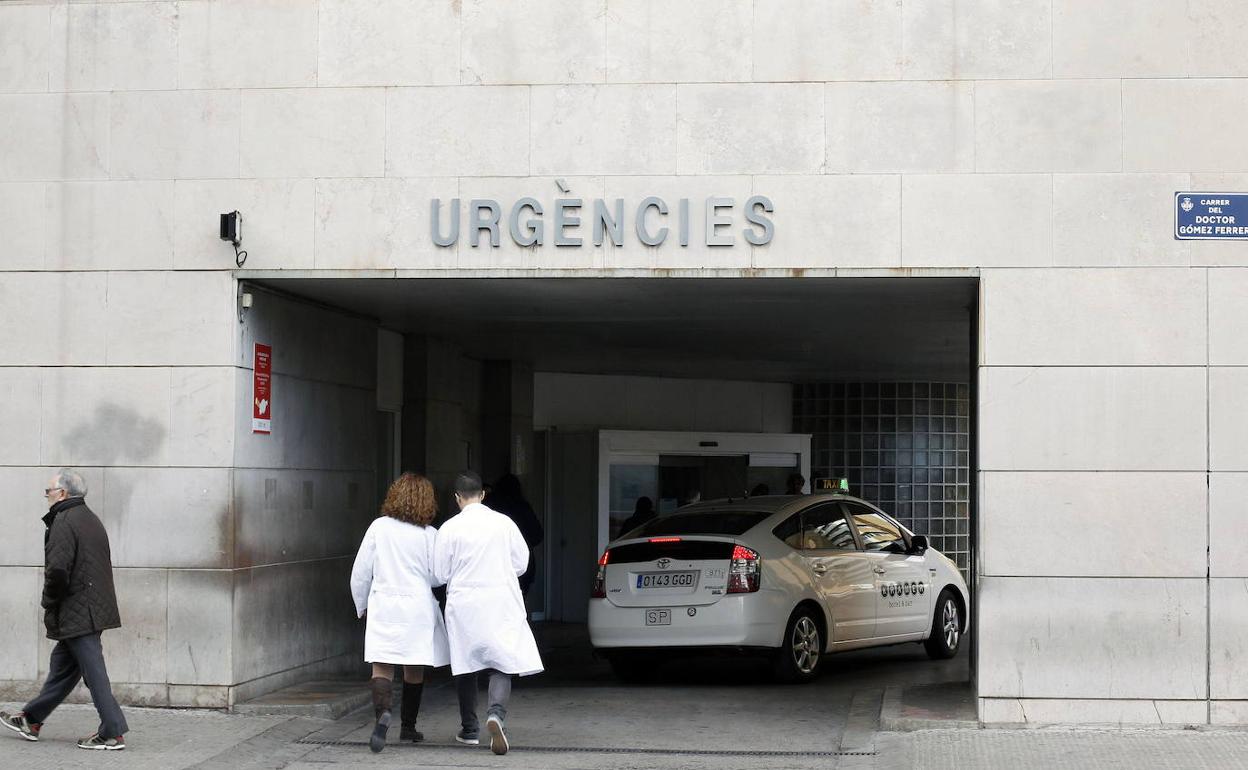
{"x": 78, "y": 594}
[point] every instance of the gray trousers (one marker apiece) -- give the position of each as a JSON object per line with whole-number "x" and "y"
{"x": 466, "y": 688}
{"x": 73, "y": 659}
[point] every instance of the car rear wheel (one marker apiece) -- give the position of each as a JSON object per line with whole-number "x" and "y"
{"x": 797, "y": 660}
{"x": 946, "y": 634}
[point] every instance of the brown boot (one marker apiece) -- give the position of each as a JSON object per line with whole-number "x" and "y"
{"x": 383, "y": 695}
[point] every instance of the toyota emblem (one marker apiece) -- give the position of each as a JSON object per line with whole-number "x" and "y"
{"x": 663, "y": 563}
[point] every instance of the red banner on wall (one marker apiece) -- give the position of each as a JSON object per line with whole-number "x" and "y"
{"x": 262, "y": 390}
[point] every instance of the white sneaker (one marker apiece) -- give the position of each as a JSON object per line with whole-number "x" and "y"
{"x": 498, "y": 737}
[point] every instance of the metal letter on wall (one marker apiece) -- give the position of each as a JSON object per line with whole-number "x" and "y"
{"x": 713, "y": 221}
{"x": 604, "y": 221}
{"x": 564, "y": 219}
{"x": 643, "y": 234}
{"x": 754, "y": 218}
{"x": 478, "y": 224}
{"x": 535, "y": 229}
{"x": 435, "y": 224}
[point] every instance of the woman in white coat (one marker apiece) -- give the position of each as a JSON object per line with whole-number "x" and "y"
{"x": 391, "y": 583}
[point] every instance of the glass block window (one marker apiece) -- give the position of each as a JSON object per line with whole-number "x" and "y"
{"x": 904, "y": 446}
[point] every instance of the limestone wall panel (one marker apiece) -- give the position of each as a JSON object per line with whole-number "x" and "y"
{"x": 174, "y": 134}
{"x": 652, "y": 41}
{"x": 566, "y": 42}
{"x": 1081, "y": 638}
{"x": 247, "y": 43}
{"x": 1092, "y": 525}
{"x": 750, "y": 128}
{"x": 1107, "y": 317}
{"x": 981, "y": 220}
{"x": 441, "y": 131}
{"x": 976, "y": 39}
{"x": 926, "y": 127}
{"x": 167, "y": 517}
{"x": 603, "y": 129}
{"x": 1132, "y": 216}
{"x": 818, "y": 40}
{"x": 331, "y": 132}
{"x": 387, "y": 42}
{"x": 25, "y": 45}
{"x": 847, "y": 220}
{"x": 114, "y": 46}
{"x": 1186, "y": 125}
{"x": 382, "y": 223}
{"x": 110, "y": 226}
{"x": 53, "y": 136}
{"x": 78, "y": 336}
{"x": 1071, "y": 125}
{"x": 1093, "y": 418}
{"x": 170, "y": 318}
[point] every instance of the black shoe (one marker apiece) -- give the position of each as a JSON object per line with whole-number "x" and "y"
{"x": 410, "y": 733}
{"x": 19, "y": 724}
{"x": 468, "y": 737}
{"x": 378, "y": 740}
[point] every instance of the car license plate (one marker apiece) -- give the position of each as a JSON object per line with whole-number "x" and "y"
{"x": 667, "y": 580}
{"x": 658, "y": 617}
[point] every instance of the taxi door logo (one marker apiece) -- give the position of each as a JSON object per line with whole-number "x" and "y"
{"x": 903, "y": 589}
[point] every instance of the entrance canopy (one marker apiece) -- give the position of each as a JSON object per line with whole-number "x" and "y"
{"x": 762, "y": 329}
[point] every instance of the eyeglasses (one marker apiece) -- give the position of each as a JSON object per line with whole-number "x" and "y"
{"x": 50, "y": 490}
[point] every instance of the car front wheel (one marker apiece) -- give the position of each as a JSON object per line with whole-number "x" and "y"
{"x": 946, "y": 634}
{"x": 797, "y": 660}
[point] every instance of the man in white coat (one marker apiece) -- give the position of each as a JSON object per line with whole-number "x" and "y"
{"x": 480, "y": 555}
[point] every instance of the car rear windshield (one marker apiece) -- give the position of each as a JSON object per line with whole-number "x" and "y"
{"x": 701, "y": 523}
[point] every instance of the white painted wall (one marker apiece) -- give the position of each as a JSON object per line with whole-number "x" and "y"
{"x": 1028, "y": 141}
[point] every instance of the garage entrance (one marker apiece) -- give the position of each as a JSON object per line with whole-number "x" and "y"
{"x": 867, "y": 379}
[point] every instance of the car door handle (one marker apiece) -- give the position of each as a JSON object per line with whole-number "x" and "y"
{"x": 819, "y": 569}
{"x": 879, "y": 570}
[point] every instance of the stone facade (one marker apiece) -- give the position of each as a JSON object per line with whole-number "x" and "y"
{"x": 1033, "y": 144}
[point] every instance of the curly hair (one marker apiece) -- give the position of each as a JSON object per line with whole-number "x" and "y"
{"x": 411, "y": 499}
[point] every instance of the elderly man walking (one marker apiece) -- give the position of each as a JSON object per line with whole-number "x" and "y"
{"x": 79, "y": 603}
{"x": 480, "y": 554}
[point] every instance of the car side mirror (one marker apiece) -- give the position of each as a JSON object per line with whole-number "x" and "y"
{"x": 918, "y": 545}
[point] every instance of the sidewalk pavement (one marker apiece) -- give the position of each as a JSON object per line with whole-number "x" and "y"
{"x": 559, "y": 728}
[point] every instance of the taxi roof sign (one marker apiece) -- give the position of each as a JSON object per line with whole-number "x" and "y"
{"x": 830, "y": 485}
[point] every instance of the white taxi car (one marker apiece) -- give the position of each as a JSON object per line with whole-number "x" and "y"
{"x": 793, "y": 577}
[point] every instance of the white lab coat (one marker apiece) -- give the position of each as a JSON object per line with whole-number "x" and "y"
{"x": 480, "y": 555}
{"x": 392, "y": 579}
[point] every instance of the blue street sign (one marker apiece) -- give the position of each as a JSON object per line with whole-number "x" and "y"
{"x": 1210, "y": 216}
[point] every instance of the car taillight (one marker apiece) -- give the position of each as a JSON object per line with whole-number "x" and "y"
{"x": 600, "y": 580}
{"x": 744, "y": 571}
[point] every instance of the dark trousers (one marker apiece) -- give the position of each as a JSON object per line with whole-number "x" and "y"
{"x": 80, "y": 658}
{"x": 466, "y": 688}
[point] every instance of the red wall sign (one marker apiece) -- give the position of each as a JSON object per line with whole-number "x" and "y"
{"x": 261, "y": 389}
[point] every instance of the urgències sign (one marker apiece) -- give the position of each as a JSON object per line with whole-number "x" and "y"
{"x": 652, "y": 221}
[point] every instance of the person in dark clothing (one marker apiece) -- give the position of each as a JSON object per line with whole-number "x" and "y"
{"x": 507, "y": 497}
{"x": 759, "y": 490}
{"x": 794, "y": 484}
{"x": 643, "y": 511}
{"x": 79, "y": 604}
